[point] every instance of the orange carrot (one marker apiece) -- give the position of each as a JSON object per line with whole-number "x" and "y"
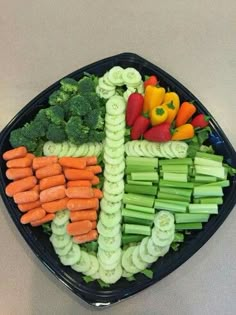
{"x": 42, "y": 161}
{"x": 48, "y": 182}
{"x": 32, "y": 215}
{"x": 26, "y": 196}
{"x": 21, "y": 162}
{"x": 19, "y": 173}
{"x": 36, "y": 188}
{"x": 73, "y": 162}
{"x": 94, "y": 225}
{"x": 20, "y": 185}
{"x": 83, "y": 215}
{"x": 79, "y": 192}
{"x": 49, "y": 170}
{"x": 30, "y": 156}
{"x": 183, "y": 132}
{"x": 78, "y": 183}
{"x": 88, "y": 237}
{"x": 23, "y": 207}
{"x": 82, "y": 204}
{"x": 78, "y": 228}
{"x": 16, "y": 153}
{"x": 97, "y": 193}
{"x": 52, "y": 193}
{"x": 185, "y": 112}
{"x": 96, "y": 169}
{"x": 91, "y": 160}
{"x": 74, "y": 174}
{"x": 47, "y": 218}
{"x": 54, "y": 206}
{"x": 95, "y": 180}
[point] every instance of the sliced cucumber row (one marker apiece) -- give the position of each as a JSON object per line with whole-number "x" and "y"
{"x": 168, "y": 150}
{"x": 67, "y": 148}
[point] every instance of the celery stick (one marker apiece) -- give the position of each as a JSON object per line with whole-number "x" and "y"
{"x": 175, "y": 202}
{"x": 131, "y": 238}
{"x": 140, "y": 161}
{"x": 167, "y": 205}
{"x": 137, "y": 214}
{"x": 176, "y": 191}
{"x": 179, "y": 237}
{"x": 175, "y": 184}
{"x": 137, "y": 182}
{"x": 149, "y": 176}
{"x": 191, "y": 217}
{"x": 175, "y": 168}
{"x": 137, "y": 221}
{"x": 175, "y": 177}
{"x": 188, "y": 226}
{"x": 222, "y": 183}
{"x": 137, "y": 189}
{"x": 205, "y": 178}
{"x": 137, "y": 229}
{"x": 207, "y": 200}
{"x": 217, "y": 171}
{"x": 140, "y": 200}
{"x": 137, "y": 168}
{"x": 207, "y": 191}
{"x": 210, "y": 156}
{"x": 206, "y": 162}
{"x": 187, "y": 161}
{"x": 167, "y": 196}
{"x": 209, "y": 208}
{"x": 140, "y": 208}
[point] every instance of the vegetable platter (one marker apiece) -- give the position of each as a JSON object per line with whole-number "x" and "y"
{"x": 115, "y": 175}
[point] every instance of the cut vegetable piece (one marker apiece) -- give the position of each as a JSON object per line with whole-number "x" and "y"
{"x": 191, "y": 217}
{"x": 113, "y": 188}
{"x": 115, "y": 169}
{"x": 138, "y": 189}
{"x": 207, "y": 191}
{"x": 137, "y": 229}
{"x": 64, "y": 250}
{"x": 110, "y": 220}
{"x": 217, "y": 171}
{"x": 115, "y": 76}
{"x": 162, "y": 195}
{"x": 145, "y": 256}
{"x": 83, "y": 265}
{"x": 64, "y": 149}
{"x": 113, "y": 197}
{"x": 175, "y": 184}
{"x": 110, "y": 276}
{"x": 131, "y": 238}
{"x": 172, "y": 168}
{"x": 109, "y": 243}
{"x": 108, "y": 232}
{"x": 211, "y": 200}
{"x": 175, "y": 177}
{"x": 51, "y": 148}
{"x": 140, "y": 200}
{"x": 140, "y": 161}
{"x": 114, "y": 119}
{"x": 131, "y": 77}
{"x": 110, "y": 257}
{"x": 137, "y": 214}
{"x": 170, "y": 205}
{"x": 132, "y": 220}
{"x": 164, "y": 220}
{"x": 113, "y": 177}
{"x": 203, "y": 208}
{"x": 137, "y": 260}
{"x": 149, "y": 176}
{"x": 59, "y": 241}
{"x": 110, "y": 207}
{"x": 113, "y": 161}
{"x": 179, "y": 161}
{"x": 210, "y": 156}
{"x": 188, "y": 226}
{"x": 72, "y": 257}
{"x": 115, "y": 105}
{"x": 139, "y": 208}
{"x": 58, "y": 229}
{"x": 127, "y": 262}
{"x": 94, "y": 265}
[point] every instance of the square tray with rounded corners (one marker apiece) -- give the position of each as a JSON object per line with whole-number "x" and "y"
{"x": 92, "y": 293}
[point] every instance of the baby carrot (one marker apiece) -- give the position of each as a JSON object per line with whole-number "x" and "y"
{"x": 20, "y": 185}
{"x": 23, "y": 207}
{"x": 97, "y": 193}
{"x": 52, "y": 193}
{"x": 19, "y": 173}
{"x": 21, "y": 162}
{"x": 185, "y": 112}
{"x": 96, "y": 169}
{"x": 78, "y": 183}
{"x": 94, "y": 224}
{"x": 42, "y": 161}
{"x": 75, "y": 174}
{"x": 73, "y": 162}
{"x": 81, "y": 215}
{"x": 51, "y": 181}
{"x": 88, "y": 237}
{"x": 82, "y": 204}
{"x": 26, "y": 196}
{"x": 78, "y": 228}
{"x": 16, "y": 153}
{"x": 91, "y": 160}
{"x": 36, "y": 188}
{"x": 79, "y": 192}
{"x": 49, "y": 170}
{"x": 47, "y": 218}
{"x": 30, "y": 156}
{"x": 95, "y": 180}
{"x": 54, "y": 206}
{"x": 32, "y": 215}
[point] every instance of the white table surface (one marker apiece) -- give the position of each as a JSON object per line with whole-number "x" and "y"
{"x": 194, "y": 41}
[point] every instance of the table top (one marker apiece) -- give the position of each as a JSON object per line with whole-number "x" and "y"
{"x": 195, "y": 42}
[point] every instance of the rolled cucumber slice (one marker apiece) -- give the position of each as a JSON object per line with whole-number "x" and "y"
{"x": 127, "y": 260}
{"x": 109, "y": 207}
{"x": 109, "y": 243}
{"x": 108, "y": 232}
{"x": 115, "y": 105}
{"x": 137, "y": 260}
{"x": 72, "y": 257}
{"x": 51, "y": 148}
{"x": 59, "y": 241}
{"x": 83, "y": 265}
{"x": 110, "y": 220}
{"x": 94, "y": 266}
{"x": 110, "y": 276}
{"x": 61, "y": 217}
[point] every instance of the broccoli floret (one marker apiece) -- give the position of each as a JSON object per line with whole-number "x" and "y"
{"x": 33, "y": 130}
{"x": 77, "y": 133}
{"x": 56, "y": 133}
{"x": 91, "y": 120}
{"x": 96, "y": 135}
{"x": 17, "y": 139}
{"x": 55, "y": 114}
{"x": 86, "y": 85}
{"x": 58, "y": 97}
{"x": 78, "y": 105}
{"x": 93, "y": 99}
{"x": 42, "y": 118}
{"x": 69, "y": 85}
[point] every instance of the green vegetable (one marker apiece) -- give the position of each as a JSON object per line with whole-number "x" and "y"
{"x": 69, "y": 85}
{"x": 86, "y": 85}
{"x": 79, "y": 105}
{"x": 58, "y": 97}
{"x": 55, "y": 114}
{"x": 76, "y": 132}
{"x": 56, "y": 133}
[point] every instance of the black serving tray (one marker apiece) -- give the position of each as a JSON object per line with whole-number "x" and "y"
{"x": 92, "y": 293}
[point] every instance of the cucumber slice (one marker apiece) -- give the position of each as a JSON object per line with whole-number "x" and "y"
{"x": 109, "y": 207}
{"x": 64, "y": 250}
{"x": 109, "y": 243}
{"x": 94, "y": 266}
{"x": 59, "y": 241}
{"x": 137, "y": 260}
{"x": 153, "y": 249}
{"x": 156, "y": 149}
{"x": 130, "y": 149}
{"x": 164, "y": 250}
{"x": 163, "y": 235}
{"x": 108, "y": 232}
{"x": 115, "y": 76}
{"x": 128, "y": 92}
{"x": 131, "y": 77}
{"x": 114, "y": 144}
{"x": 127, "y": 261}
{"x": 150, "y": 150}
{"x": 110, "y": 219}
{"x": 83, "y": 265}
{"x": 164, "y": 220}
{"x": 161, "y": 242}
{"x": 109, "y": 257}
{"x": 114, "y": 128}
{"x": 95, "y": 276}
{"x": 110, "y": 276}
{"x": 72, "y": 257}
{"x": 98, "y": 148}
{"x": 104, "y": 86}
{"x": 115, "y": 135}
{"x": 64, "y": 149}
{"x": 115, "y": 105}
{"x": 145, "y": 256}
{"x": 81, "y": 150}
{"x": 166, "y": 146}
{"x": 140, "y": 88}
{"x": 113, "y": 161}
{"x": 107, "y": 81}
{"x": 61, "y": 217}
{"x": 72, "y": 149}
{"x": 91, "y": 149}
{"x": 163, "y": 152}
{"x": 104, "y": 93}
{"x": 114, "y": 188}
{"x": 58, "y": 229}
{"x": 115, "y": 169}
{"x": 113, "y": 198}
{"x": 137, "y": 147}
{"x": 114, "y": 152}
{"x": 51, "y": 148}
{"x": 107, "y": 266}
{"x": 126, "y": 274}
{"x": 127, "y": 151}
{"x": 113, "y": 178}
{"x": 179, "y": 149}
{"x": 114, "y": 119}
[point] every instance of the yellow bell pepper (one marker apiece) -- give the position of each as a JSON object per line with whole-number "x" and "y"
{"x": 172, "y": 97}
{"x": 153, "y": 97}
{"x": 172, "y": 110}
{"x": 158, "y": 115}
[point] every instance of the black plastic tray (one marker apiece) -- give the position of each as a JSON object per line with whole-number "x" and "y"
{"x": 39, "y": 242}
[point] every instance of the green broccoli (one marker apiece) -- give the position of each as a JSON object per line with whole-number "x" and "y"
{"x": 58, "y": 97}
{"x": 86, "y": 85}
{"x": 56, "y": 133}
{"x": 94, "y": 100}
{"x": 42, "y": 118}
{"x": 96, "y": 135}
{"x": 69, "y": 85}
{"x": 78, "y": 105}
{"x": 33, "y": 130}
{"x": 17, "y": 139}
{"x": 77, "y": 133}
{"x": 55, "y": 114}
{"x": 91, "y": 120}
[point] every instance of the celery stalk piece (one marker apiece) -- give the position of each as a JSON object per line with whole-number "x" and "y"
{"x": 137, "y": 229}
{"x": 138, "y": 189}
{"x": 206, "y": 162}
{"x": 211, "y": 200}
{"x": 217, "y": 171}
{"x": 137, "y": 214}
{"x": 140, "y": 200}
{"x": 208, "y": 208}
{"x": 140, "y": 161}
{"x": 137, "y": 168}
{"x": 175, "y": 168}
{"x": 140, "y": 208}
{"x": 137, "y": 182}
{"x": 205, "y": 178}
{"x": 207, "y": 191}
{"x": 131, "y": 238}
{"x": 163, "y": 195}
{"x": 222, "y": 183}
{"x": 210, "y": 156}
{"x": 137, "y": 221}
{"x": 167, "y": 205}
{"x": 175, "y": 184}
{"x": 191, "y": 217}
{"x": 175, "y": 177}
{"x": 187, "y": 161}
{"x": 176, "y": 191}
{"x": 149, "y": 176}
{"x": 188, "y": 226}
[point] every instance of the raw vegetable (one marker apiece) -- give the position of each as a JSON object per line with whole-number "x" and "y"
{"x": 172, "y": 98}
{"x": 200, "y": 121}
{"x": 139, "y": 127}
{"x": 185, "y": 112}
{"x": 134, "y": 108}
{"x": 183, "y": 132}
{"x": 153, "y": 97}
{"x": 159, "y": 133}
{"x": 152, "y": 80}
{"x": 158, "y": 115}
